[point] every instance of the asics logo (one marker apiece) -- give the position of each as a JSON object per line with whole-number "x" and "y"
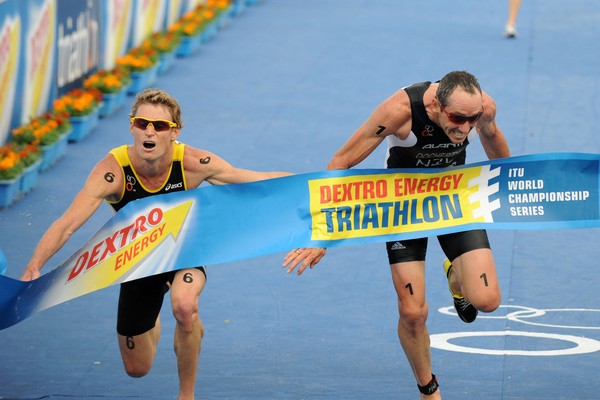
{"x": 173, "y": 186}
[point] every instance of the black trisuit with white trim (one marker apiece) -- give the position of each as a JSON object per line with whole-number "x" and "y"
{"x": 428, "y": 146}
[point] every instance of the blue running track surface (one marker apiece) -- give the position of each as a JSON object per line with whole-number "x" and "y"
{"x": 281, "y": 88}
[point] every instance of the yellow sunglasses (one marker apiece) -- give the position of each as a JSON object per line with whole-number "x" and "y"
{"x": 159, "y": 125}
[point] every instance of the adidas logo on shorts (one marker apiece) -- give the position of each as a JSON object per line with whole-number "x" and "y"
{"x": 398, "y": 246}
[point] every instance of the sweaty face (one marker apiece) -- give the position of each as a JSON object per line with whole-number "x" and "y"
{"x": 152, "y": 142}
{"x": 460, "y": 115}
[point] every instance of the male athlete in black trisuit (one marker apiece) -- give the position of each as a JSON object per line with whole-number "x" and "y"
{"x": 429, "y": 125}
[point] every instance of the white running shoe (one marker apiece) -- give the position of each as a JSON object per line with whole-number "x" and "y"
{"x": 510, "y": 32}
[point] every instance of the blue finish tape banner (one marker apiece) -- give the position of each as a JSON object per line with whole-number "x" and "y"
{"x": 220, "y": 224}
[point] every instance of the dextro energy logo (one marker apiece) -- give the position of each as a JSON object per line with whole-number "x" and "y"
{"x": 40, "y": 41}
{"x": 10, "y": 33}
{"x": 128, "y": 245}
{"x": 369, "y": 205}
{"x": 151, "y": 14}
{"x": 116, "y": 19}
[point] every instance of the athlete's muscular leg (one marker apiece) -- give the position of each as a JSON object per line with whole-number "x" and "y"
{"x": 185, "y": 293}
{"x": 474, "y": 275}
{"x": 409, "y": 281}
{"x": 138, "y": 351}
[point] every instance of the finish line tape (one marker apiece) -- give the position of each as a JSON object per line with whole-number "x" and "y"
{"x": 323, "y": 209}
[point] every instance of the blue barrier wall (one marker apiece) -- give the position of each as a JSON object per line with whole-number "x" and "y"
{"x": 47, "y": 47}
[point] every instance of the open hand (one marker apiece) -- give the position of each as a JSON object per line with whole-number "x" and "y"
{"x": 303, "y": 258}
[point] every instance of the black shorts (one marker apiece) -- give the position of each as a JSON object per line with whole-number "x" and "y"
{"x": 453, "y": 245}
{"x": 140, "y": 302}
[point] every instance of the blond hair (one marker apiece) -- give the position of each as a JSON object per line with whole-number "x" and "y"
{"x": 161, "y": 98}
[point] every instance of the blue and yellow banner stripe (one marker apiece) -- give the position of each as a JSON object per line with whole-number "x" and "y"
{"x": 219, "y": 224}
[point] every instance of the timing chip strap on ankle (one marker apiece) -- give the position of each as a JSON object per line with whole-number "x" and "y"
{"x": 431, "y": 387}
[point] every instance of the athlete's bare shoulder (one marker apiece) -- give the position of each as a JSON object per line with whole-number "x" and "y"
{"x": 395, "y": 112}
{"x": 194, "y": 157}
{"x": 106, "y": 178}
{"x": 199, "y": 165}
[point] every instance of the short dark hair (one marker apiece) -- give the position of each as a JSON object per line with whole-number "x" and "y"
{"x": 453, "y": 80}
{"x": 161, "y": 98}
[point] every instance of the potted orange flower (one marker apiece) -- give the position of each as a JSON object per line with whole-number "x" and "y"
{"x": 139, "y": 59}
{"x": 191, "y": 23}
{"x": 42, "y": 130}
{"x": 78, "y": 102}
{"x": 19, "y": 170}
{"x": 81, "y": 105}
{"x": 142, "y": 64}
{"x": 113, "y": 85}
{"x": 189, "y": 28}
{"x": 11, "y": 169}
{"x": 49, "y": 132}
{"x": 165, "y": 43}
{"x": 10, "y": 163}
{"x": 108, "y": 81}
{"x": 224, "y": 10}
{"x": 30, "y": 156}
{"x": 218, "y": 14}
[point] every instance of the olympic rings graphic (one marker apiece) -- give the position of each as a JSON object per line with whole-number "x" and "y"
{"x": 520, "y": 314}
{"x": 530, "y": 312}
{"x": 523, "y": 315}
{"x": 583, "y": 345}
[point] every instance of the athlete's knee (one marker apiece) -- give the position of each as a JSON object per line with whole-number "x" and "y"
{"x": 136, "y": 372}
{"x": 413, "y": 315}
{"x": 488, "y": 302}
{"x": 137, "y": 352}
{"x": 185, "y": 311}
{"x": 136, "y": 369}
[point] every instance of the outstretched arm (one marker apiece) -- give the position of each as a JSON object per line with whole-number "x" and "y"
{"x": 201, "y": 165}
{"x": 392, "y": 117}
{"x": 99, "y": 185}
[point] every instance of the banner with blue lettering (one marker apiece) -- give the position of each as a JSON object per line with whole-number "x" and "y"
{"x": 321, "y": 209}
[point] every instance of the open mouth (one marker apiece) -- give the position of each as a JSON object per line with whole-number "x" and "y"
{"x": 458, "y": 134}
{"x": 149, "y": 145}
